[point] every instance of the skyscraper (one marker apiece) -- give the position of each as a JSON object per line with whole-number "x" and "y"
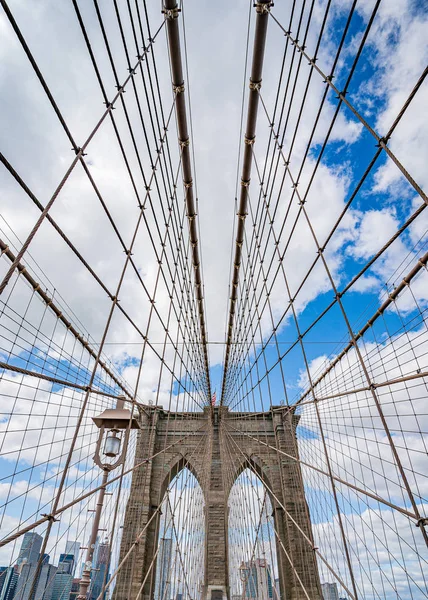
{"x": 74, "y": 589}
{"x": 329, "y": 591}
{"x": 9, "y": 583}
{"x": 66, "y": 563}
{"x": 30, "y": 548}
{"x": 100, "y": 571}
{"x": 25, "y": 581}
{"x": 257, "y": 579}
{"x": 42, "y": 589}
{"x": 46, "y": 580}
{"x": 63, "y": 579}
{"x": 3, "y": 573}
{"x": 61, "y": 586}
{"x": 74, "y": 549}
{"x": 162, "y": 569}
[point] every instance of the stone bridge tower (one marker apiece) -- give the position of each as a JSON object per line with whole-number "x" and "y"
{"x": 199, "y": 441}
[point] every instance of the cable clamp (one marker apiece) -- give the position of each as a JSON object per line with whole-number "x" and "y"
{"x": 171, "y": 13}
{"x": 249, "y": 141}
{"x": 263, "y": 8}
{"x": 242, "y": 217}
{"x": 422, "y": 522}
{"x": 178, "y": 89}
{"x": 328, "y": 79}
{"x": 78, "y": 151}
{"x": 184, "y": 143}
{"x": 382, "y": 143}
{"x": 245, "y": 183}
{"x": 188, "y": 184}
{"x": 50, "y": 518}
{"x": 255, "y": 86}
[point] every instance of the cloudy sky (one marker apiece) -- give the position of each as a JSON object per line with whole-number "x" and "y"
{"x": 216, "y": 41}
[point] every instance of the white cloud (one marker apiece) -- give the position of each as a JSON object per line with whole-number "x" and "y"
{"x": 375, "y": 228}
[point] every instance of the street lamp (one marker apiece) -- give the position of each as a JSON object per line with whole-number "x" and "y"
{"x": 117, "y": 422}
{"x": 114, "y": 420}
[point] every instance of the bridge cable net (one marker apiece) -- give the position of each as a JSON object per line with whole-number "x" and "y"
{"x": 361, "y": 440}
{"x": 352, "y": 437}
{"x": 65, "y": 479}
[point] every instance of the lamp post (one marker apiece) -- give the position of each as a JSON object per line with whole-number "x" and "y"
{"x": 118, "y": 423}
{"x": 243, "y": 574}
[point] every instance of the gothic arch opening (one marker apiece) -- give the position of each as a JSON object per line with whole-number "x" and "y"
{"x": 180, "y": 549}
{"x": 252, "y": 547}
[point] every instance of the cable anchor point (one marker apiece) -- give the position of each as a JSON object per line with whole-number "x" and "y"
{"x": 263, "y": 8}
{"x": 178, "y": 89}
{"x": 171, "y": 13}
{"x": 255, "y": 86}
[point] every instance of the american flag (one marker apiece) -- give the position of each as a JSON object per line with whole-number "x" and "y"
{"x": 214, "y": 399}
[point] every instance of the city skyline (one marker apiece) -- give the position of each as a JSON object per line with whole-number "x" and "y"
{"x": 33, "y": 577}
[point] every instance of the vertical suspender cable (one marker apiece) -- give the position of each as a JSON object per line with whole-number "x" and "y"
{"x": 171, "y": 12}
{"x": 262, "y": 10}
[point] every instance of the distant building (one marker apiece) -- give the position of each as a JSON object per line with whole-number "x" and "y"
{"x": 30, "y": 548}
{"x": 3, "y": 573}
{"x": 10, "y": 580}
{"x": 162, "y": 569}
{"x": 74, "y": 589}
{"x": 66, "y": 563}
{"x": 63, "y": 579}
{"x": 45, "y": 582}
{"x": 74, "y": 549}
{"x": 329, "y": 591}
{"x": 257, "y": 579}
{"x": 99, "y": 575}
{"x": 61, "y": 587}
{"x": 43, "y": 587}
{"x": 25, "y": 581}
{"x": 178, "y": 596}
{"x": 277, "y": 590}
